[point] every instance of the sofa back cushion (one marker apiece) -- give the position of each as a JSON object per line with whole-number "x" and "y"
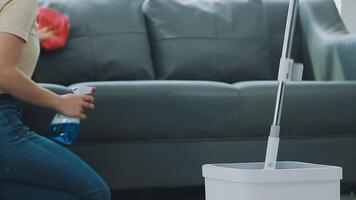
{"x": 209, "y": 39}
{"x": 108, "y": 41}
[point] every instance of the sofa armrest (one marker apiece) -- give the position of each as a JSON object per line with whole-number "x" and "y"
{"x": 330, "y": 47}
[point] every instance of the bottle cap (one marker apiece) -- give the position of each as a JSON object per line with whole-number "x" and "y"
{"x": 84, "y": 90}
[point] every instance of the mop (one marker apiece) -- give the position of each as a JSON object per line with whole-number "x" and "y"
{"x": 288, "y": 71}
{"x": 264, "y": 180}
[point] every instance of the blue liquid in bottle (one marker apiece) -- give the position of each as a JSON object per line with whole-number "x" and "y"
{"x": 64, "y": 129}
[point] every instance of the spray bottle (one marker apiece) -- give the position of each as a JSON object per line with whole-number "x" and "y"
{"x": 65, "y": 129}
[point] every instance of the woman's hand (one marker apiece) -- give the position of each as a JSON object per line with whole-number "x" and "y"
{"x": 45, "y": 33}
{"x": 72, "y": 105}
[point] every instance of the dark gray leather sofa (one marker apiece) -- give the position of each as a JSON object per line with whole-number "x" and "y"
{"x": 183, "y": 83}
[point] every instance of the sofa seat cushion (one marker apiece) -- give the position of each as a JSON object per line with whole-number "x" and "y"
{"x": 311, "y": 108}
{"x": 160, "y": 110}
{"x": 204, "y": 110}
{"x": 107, "y": 41}
{"x": 214, "y": 40}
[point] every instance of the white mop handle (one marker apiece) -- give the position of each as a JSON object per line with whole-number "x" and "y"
{"x": 272, "y": 148}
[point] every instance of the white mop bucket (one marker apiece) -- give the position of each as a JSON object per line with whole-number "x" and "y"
{"x": 273, "y": 180}
{"x": 289, "y": 181}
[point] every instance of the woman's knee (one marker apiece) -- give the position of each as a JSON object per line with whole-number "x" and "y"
{"x": 105, "y": 192}
{"x": 100, "y": 191}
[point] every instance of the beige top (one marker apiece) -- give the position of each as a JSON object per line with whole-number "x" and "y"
{"x": 18, "y": 17}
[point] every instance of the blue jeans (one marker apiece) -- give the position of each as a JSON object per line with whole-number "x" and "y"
{"x": 33, "y": 167}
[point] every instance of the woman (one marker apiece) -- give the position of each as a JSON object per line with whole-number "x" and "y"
{"x": 31, "y": 166}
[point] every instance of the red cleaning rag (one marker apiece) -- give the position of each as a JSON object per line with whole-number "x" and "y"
{"x": 58, "y": 23}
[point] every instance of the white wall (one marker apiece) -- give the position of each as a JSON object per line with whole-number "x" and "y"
{"x": 347, "y": 10}
{"x": 348, "y": 14}
{"x": 338, "y": 5}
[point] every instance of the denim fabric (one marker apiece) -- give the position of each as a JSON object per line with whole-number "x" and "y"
{"x": 33, "y": 167}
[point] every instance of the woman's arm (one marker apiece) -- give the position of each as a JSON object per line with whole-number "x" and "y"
{"x": 17, "y": 84}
